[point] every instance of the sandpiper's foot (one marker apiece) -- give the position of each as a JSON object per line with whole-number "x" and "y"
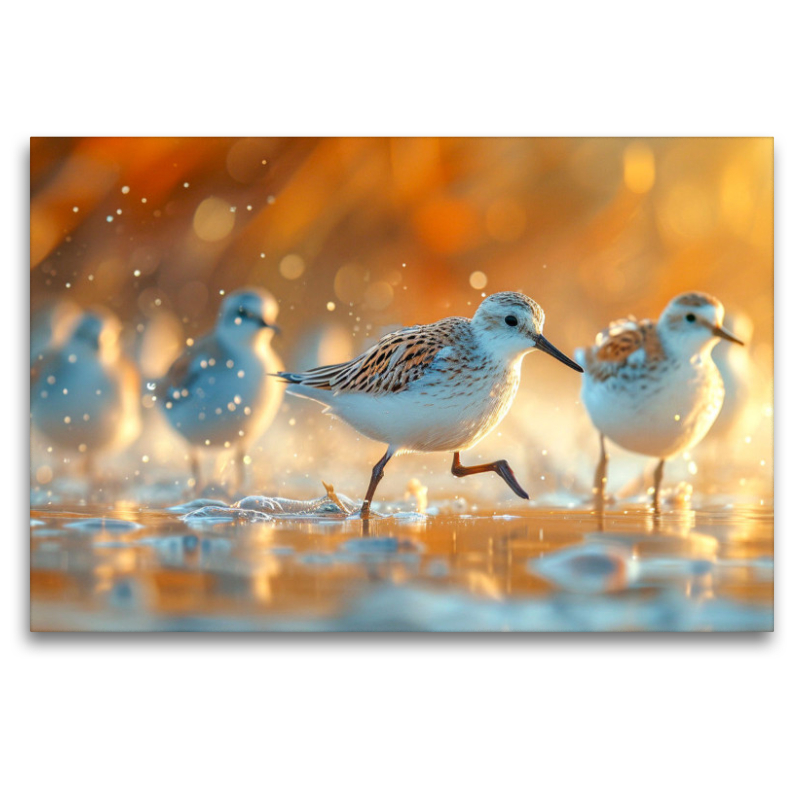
{"x": 500, "y": 467}
{"x": 507, "y": 474}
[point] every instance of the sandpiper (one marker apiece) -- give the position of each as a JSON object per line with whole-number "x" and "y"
{"x": 85, "y": 395}
{"x": 437, "y": 387}
{"x": 652, "y": 387}
{"x": 217, "y": 393}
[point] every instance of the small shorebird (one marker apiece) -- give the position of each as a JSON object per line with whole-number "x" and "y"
{"x": 85, "y": 395}
{"x": 217, "y": 393}
{"x": 438, "y": 387}
{"x": 652, "y": 387}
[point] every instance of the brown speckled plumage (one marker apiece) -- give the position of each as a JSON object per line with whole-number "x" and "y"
{"x": 618, "y": 342}
{"x": 395, "y": 362}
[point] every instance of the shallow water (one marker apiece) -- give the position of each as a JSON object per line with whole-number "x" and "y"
{"x": 214, "y": 568}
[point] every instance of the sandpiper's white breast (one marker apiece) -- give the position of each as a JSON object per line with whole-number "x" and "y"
{"x": 659, "y": 411}
{"x": 452, "y": 407}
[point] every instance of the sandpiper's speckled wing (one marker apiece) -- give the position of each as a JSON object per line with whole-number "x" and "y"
{"x": 392, "y": 365}
{"x": 625, "y": 341}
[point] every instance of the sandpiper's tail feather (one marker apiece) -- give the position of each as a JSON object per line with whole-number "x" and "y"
{"x": 287, "y": 377}
{"x": 317, "y": 377}
{"x": 299, "y": 385}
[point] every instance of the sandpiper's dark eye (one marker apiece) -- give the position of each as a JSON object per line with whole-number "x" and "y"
{"x": 690, "y": 317}
{"x": 511, "y": 320}
{"x": 241, "y": 312}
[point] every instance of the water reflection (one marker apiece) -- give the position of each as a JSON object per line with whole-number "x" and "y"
{"x": 543, "y": 569}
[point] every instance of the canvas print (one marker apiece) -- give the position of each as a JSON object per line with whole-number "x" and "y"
{"x": 401, "y": 384}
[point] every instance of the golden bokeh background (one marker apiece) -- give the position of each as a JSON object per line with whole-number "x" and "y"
{"x": 355, "y": 236}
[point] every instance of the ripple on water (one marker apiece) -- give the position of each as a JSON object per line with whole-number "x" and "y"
{"x": 193, "y": 505}
{"x": 223, "y": 515}
{"x": 46, "y": 532}
{"x": 589, "y": 569}
{"x": 380, "y": 549}
{"x": 378, "y": 544}
{"x": 316, "y": 559}
{"x": 104, "y": 525}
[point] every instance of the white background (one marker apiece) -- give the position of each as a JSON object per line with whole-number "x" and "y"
{"x": 389, "y": 716}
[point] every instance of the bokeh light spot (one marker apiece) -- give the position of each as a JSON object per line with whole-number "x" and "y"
{"x": 378, "y": 296}
{"x": 213, "y": 219}
{"x": 292, "y": 266}
{"x": 349, "y": 283}
{"x": 478, "y": 280}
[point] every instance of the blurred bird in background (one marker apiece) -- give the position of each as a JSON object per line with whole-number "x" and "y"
{"x": 85, "y": 395}
{"x": 217, "y": 393}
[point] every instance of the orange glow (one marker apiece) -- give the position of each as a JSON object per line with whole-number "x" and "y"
{"x": 640, "y": 167}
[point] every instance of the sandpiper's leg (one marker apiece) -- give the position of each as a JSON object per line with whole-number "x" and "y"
{"x": 601, "y": 476}
{"x": 377, "y": 474}
{"x": 659, "y": 474}
{"x": 500, "y": 467}
{"x": 194, "y": 458}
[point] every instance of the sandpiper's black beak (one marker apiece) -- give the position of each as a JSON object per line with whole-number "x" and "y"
{"x": 542, "y": 344}
{"x": 718, "y": 330}
{"x": 271, "y": 326}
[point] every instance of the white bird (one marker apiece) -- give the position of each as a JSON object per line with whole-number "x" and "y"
{"x": 438, "y": 387}
{"x": 217, "y": 393}
{"x": 652, "y": 387}
{"x": 85, "y": 395}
